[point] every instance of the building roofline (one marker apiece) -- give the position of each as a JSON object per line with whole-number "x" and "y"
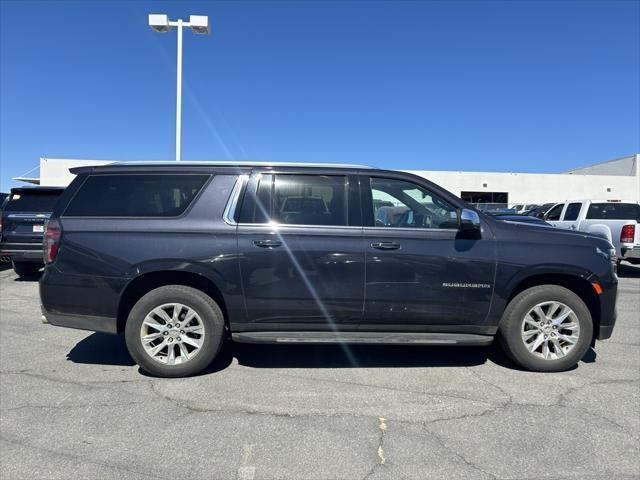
{"x": 624, "y": 157}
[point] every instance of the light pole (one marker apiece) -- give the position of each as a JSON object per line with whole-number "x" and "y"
{"x": 200, "y": 25}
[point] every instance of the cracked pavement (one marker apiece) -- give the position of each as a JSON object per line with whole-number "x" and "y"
{"x": 74, "y": 405}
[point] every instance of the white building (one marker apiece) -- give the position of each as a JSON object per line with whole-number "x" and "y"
{"x": 54, "y": 172}
{"x": 617, "y": 179}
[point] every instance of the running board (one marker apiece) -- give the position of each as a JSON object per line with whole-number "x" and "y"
{"x": 377, "y": 338}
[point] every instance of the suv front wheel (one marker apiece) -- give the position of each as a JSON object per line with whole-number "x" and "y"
{"x": 546, "y": 328}
{"x": 174, "y": 331}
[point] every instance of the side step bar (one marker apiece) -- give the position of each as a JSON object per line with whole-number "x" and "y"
{"x": 377, "y": 338}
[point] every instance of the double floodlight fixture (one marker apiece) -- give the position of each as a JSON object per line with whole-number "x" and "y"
{"x": 200, "y": 25}
{"x": 160, "y": 23}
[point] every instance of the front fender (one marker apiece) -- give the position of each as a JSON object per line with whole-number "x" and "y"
{"x": 544, "y": 269}
{"x": 510, "y": 277}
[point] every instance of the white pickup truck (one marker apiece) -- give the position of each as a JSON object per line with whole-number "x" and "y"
{"x": 618, "y": 221}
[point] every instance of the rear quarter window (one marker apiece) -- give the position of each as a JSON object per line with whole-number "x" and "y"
{"x": 32, "y": 201}
{"x": 135, "y": 195}
{"x": 614, "y": 211}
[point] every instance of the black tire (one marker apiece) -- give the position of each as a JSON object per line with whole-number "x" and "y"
{"x": 513, "y": 318}
{"x": 26, "y": 269}
{"x": 208, "y": 311}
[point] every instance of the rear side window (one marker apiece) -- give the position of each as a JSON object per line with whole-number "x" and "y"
{"x": 292, "y": 199}
{"x": 135, "y": 195}
{"x": 614, "y": 211}
{"x": 573, "y": 210}
{"x": 21, "y": 201}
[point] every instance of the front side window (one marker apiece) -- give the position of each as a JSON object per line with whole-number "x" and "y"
{"x": 401, "y": 204}
{"x": 136, "y": 195}
{"x": 573, "y": 210}
{"x": 292, "y": 199}
{"x": 555, "y": 212}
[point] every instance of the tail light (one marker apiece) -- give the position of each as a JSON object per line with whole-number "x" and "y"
{"x": 52, "y": 240}
{"x": 627, "y": 233}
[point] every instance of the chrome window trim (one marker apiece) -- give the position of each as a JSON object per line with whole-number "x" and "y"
{"x": 291, "y": 225}
{"x": 346, "y": 227}
{"x": 232, "y": 203}
{"x": 414, "y": 229}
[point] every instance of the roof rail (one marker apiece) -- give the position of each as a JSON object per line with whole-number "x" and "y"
{"x": 244, "y": 163}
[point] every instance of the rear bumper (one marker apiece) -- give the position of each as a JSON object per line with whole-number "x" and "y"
{"x": 28, "y": 252}
{"x": 79, "y": 301}
{"x": 84, "y": 322}
{"x": 633, "y": 252}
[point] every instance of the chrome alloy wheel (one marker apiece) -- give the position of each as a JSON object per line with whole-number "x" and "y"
{"x": 550, "y": 330}
{"x": 172, "y": 333}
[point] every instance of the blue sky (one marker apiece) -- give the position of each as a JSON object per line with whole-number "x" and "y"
{"x": 498, "y": 86}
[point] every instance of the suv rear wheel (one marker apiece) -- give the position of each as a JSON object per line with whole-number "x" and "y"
{"x": 174, "y": 331}
{"x": 26, "y": 269}
{"x": 546, "y": 328}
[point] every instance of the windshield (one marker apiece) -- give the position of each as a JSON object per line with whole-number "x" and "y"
{"x": 614, "y": 211}
{"x": 22, "y": 201}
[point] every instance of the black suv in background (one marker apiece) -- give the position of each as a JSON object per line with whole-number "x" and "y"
{"x": 24, "y": 214}
{"x": 181, "y": 256}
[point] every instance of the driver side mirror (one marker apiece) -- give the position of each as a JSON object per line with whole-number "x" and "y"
{"x": 469, "y": 221}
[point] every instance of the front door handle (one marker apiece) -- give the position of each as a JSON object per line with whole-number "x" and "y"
{"x": 385, "y": 245}
{"x": 267, "y": 243}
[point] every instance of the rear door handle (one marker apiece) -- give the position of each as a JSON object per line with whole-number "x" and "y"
{"x": 267, "y": 243}
{"x": 385, "y": 245}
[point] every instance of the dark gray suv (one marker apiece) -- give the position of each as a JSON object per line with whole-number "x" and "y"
{"x": 180, "y": 256}
{"x": 22, "y": 220}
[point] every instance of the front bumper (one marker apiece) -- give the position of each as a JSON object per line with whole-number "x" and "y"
{"x": 608, "y": 310}
{"x": 605, "y": 331}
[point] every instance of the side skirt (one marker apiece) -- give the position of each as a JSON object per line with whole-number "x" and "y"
{"x": 377, "y": 338}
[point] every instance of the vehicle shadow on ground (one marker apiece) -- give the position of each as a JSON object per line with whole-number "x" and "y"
{"x": 105, "y": 349}
{"x": 628, "y": 271}
{"x": 27, "y": 278}
{"x": 101, "y": 349}
{"x": 365, "y": 356}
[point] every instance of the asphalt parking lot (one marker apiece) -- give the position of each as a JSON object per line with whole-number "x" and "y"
{"x": 73, "y": 405}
